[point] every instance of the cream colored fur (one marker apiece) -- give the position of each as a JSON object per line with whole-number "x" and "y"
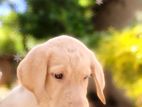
{"x": 55, "y": 74}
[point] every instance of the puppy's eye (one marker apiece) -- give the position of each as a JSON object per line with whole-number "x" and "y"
{"x": 86, "y": 77}
{"x": 58, "y": 76}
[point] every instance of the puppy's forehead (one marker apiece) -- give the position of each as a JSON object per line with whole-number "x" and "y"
{"x": 68, "y": 51}
{"x": 68, "y": 46}
{"x": 67, "y": 43}
{"x": 63, "y": 41}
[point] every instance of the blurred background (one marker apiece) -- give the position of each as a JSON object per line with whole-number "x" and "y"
{"x": 113, "y": 30}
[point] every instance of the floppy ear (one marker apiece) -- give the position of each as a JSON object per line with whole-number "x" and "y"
{"x": 32, "y": 69}
{"x": 98, "y": 77}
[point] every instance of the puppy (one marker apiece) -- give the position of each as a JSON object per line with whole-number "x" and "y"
{"x": 55, "y": 74}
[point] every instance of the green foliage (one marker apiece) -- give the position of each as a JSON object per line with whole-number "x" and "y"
{"x": 93, "y": 40}
{"x": 10, "y": 38}
{"x": 45, "y": 18}
{"x": 121, "y": 53}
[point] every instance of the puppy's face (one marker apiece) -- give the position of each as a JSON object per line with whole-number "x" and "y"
{"x": 57, "y": 73}
{"x": 67, "y": 78}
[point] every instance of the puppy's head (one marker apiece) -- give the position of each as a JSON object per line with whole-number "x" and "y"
{"x": 57, "y": 73}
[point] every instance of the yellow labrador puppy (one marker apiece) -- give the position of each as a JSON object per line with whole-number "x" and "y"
{"x": 55, "y": 74}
